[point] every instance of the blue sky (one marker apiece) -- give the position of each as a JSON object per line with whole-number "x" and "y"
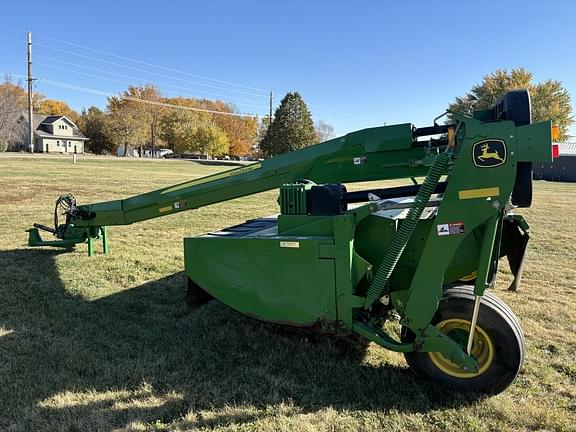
{"x": 357, "y": 64}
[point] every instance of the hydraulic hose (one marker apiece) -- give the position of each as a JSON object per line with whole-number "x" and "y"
{"x": 406, "y": 229}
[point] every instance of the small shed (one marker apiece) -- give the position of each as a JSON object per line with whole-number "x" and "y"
{"x": 562, "y": 169}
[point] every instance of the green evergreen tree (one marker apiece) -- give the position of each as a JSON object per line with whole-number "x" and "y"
{"x": 291, "y": 129}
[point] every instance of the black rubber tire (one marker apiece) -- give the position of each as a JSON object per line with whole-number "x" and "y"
{"x": 501, "y": 325}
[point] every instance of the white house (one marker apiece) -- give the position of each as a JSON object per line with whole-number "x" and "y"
{"x": 57, "y": 134}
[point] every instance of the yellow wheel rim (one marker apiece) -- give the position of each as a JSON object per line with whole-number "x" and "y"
{"x": 469, "y": 277}
{"x": 482, "y": 348}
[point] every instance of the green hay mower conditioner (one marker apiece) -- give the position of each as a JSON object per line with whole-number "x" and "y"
{"x": 345, "y": 262}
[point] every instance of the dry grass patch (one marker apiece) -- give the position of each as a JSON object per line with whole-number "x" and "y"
{"x": 106, "y": 343}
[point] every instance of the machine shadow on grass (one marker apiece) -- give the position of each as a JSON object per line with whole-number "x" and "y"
{"x": 140, "y": 354}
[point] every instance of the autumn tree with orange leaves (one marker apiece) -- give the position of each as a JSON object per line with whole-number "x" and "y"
{"x": 56, "y": 107}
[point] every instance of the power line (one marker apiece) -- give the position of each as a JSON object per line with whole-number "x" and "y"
{"x": 153, "y": 65}
{"x": 148, "y": 72}
{"x": 11, "y": 38}
{"x": 330, "y": 110}
{"x": 139, "y": 70}
{"x": 164, "y": 104}
{"x": 316, "y": 107}
{"x": 138, "y": 61}
{"x": 108, "y": 94}
{"x": 131, "y": 83}
{"x": 13, "y": 74}
{"x": 13, "y": 29}
{"x": 238, "y": 99}
{"x": 14, "y": 56}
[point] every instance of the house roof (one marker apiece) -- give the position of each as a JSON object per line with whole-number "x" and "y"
{"x": 41, "y": 122}
{"x": 51, "y": 118}
{"x": 44, "y": 134}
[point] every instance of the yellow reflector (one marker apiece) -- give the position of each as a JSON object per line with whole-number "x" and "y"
{"x": 555, "y": 132}
{"x": 478, "y": 193}
{"x": 451, "y": 137}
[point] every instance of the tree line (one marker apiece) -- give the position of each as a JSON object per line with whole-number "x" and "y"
{"x": 138, "y": 117}
{"x": 141, "y": 116}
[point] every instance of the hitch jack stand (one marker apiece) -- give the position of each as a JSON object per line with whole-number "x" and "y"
{"x": 104, "y": 236}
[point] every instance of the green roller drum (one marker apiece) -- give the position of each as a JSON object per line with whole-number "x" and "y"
{"x": 345, "y": 262}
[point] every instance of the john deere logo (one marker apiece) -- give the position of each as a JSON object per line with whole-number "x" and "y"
{"x": 489, "y": 153}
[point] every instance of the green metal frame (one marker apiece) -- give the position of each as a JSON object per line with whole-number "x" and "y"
{"x": 475, "y": 198}
{"x": 334, "y": 269}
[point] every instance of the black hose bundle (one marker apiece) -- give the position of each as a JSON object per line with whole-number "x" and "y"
{"x": 65, "y": 205}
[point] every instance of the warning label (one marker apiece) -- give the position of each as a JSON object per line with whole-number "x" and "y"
{"x": 451, "y": 228}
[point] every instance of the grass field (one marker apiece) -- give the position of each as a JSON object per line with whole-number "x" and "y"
{"x": 106, "y": 343}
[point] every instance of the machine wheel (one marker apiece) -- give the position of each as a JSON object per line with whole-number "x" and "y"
{"x": 498, "y": 343}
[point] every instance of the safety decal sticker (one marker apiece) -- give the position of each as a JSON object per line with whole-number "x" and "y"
{"x": 452, "y": 228}
{"x": 180, "y": 205}
{"x": 290, "y": 244}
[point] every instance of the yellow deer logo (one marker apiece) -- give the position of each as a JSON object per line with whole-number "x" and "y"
{"x": 488, "y": 154}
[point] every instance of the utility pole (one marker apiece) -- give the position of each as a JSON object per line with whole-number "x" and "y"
{"x": 271, "y": 99}
{"x": 30, "y": 79}
{"x": 153, "y": 137}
